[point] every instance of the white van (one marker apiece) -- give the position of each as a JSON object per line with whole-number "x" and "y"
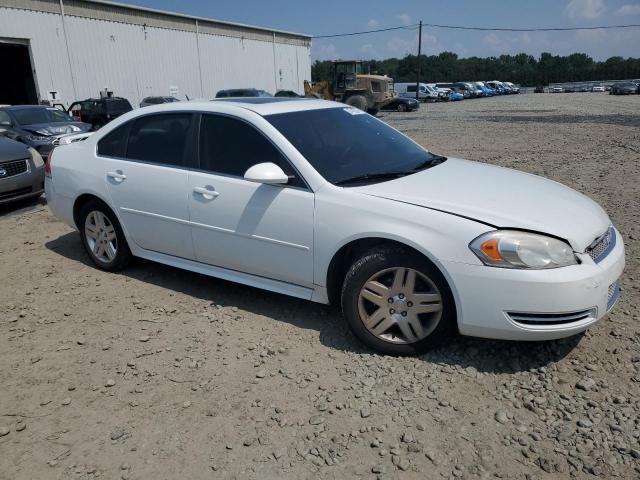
{"x": 408, "y": 90}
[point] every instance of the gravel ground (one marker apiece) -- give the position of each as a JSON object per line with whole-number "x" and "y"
{"x": 161, "y": 373}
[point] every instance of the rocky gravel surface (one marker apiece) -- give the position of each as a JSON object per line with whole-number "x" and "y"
{"x": 161, "y": 373}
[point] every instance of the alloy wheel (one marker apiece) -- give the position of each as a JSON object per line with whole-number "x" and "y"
{"x": 400, "y": 305}
{"x": 101, "y": 236}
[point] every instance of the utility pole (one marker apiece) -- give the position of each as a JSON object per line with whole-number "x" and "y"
{"x": 419, "y": 53}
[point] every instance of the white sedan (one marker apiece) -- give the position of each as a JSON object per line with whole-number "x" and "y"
{"x": 321, "y": 201}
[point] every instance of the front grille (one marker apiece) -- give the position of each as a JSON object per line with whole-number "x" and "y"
{"x": 14, "y": 193}
{"x": 602, "y": 246}
{"x": 12, "y": 168}
{"x": 552, "y": 319}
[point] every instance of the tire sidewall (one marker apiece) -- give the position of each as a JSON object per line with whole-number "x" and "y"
{"x": 375, "y": 261}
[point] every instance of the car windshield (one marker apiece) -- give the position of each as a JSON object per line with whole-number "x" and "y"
{"x": 263, "y": 93}
{"x": 30, "y": 116}
{"x": 347, "y": 145}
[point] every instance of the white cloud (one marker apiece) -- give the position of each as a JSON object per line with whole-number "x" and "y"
{"x": 404, "y": 18}
{"x": 400, "y": 46}
{"x": 629, "y": 10}
{"x": 326, "y": 51}
{"x": 369, "y": 50}
{"x": 373, "y": 23}
{"x": 585, "y": 9}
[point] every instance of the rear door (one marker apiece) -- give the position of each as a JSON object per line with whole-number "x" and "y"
{"x": 261, "y": 229}
{"x": 146, "y": 171}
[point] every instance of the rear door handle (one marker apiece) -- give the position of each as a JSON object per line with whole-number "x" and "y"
{"x": 208, "y": 193}
{"x": 118, "y": 176}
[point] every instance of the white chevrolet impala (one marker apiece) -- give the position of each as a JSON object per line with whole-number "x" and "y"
{"x": 321, "y": 201}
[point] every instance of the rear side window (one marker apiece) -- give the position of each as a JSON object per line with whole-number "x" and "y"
{"x": 118, "y": 106}
{"x": 114, "y": 143}
{"x": 230, "y": 146}
{"x": 160, "y": 139}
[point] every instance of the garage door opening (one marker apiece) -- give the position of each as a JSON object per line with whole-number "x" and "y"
{"x": 17, "y": 85}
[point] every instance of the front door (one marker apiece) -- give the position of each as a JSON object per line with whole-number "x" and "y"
{"x": 149, "y": 181}
{"x": 261, "y": 229}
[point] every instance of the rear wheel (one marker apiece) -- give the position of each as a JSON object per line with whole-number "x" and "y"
{"x": 102, "y": 237}
{"x": 357, "y": 101}
{"x": 397, "y": 302}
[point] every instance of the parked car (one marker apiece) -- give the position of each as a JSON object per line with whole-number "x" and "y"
{"x": 457, "y": 88}
{"x": 286, "y": 93}
{"x": 99, "y": 111}
{"x": 408, "y": 90}
{"x": 324, "y": 202}
{"x": 539, "y": 89}
{"x": 455, "y": 96}
{"x": 21, "y": 171}
{"x": 557, "y": 90}
{"x": 38, "y": 126}
{"x": 486, "y": 90}
{"x": 513, "y": 87}
{"x": 157, "y": 101}
{"x": 497, "y": 87}
{"x": 597, "y": 88}
{"x": 569, "y": 89}
{"x": 623, "y": 88}
{"x": 243, "y": 92}
{"x": 401, "y": 104}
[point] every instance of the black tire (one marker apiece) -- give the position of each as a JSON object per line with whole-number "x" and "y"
{"x": 123, "y": 254}
{"x": 373, "y": 111}
{"x": 377, "y": 260}
{"x": 401, "y": 107}
{"x": 357, "y": 101}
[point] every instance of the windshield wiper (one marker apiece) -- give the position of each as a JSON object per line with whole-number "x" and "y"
{"x": 372, "y": 176}
{"x": 431, "y": 162}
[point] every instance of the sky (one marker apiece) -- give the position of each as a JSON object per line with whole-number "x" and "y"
{"x": 325, "y": 17}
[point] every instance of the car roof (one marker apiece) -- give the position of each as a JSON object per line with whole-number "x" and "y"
{"x": 261, "y": 105}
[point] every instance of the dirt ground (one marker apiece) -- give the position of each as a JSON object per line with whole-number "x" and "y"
{"x": 165, "y": 374}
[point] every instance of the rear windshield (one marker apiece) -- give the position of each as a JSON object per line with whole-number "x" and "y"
{"x": 29, "y": 116}
{"x": 342, "y": 143}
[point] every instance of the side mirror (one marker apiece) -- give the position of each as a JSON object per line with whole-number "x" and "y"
{"x": 268, "y": 172}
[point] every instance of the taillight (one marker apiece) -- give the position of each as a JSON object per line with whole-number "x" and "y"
{"x": 47, "y": 164}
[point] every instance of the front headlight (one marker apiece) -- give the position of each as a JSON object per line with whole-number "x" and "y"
{"x": 515, "y": 249}
{"x": 36, "y": 157}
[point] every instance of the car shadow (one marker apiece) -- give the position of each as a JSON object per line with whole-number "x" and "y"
{"x": 487, "y": 356}
{"x": 20, "y": 207}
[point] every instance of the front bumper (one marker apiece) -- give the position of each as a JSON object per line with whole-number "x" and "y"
{"x": 535, "y": 304}
{"x": 22, "y": 186}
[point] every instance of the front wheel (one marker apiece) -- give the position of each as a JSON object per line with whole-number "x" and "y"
{"x": 402, "y": 107}
{"x": 102, "y": 237}
{"x": 397, "y": 302}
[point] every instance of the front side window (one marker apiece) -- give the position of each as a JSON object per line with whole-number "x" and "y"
{"x": 160, "y": 139}
{"x": 114, "y": 143}
{"x": 5, "y": 118}
{"x": 346, "y": 144}
{"x": 231, "y": 146}
{"x": 376, "y": 86}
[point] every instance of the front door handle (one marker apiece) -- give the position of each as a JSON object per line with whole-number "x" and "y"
{"x": 118, "y": 176}
{"x": 208, "y": 193}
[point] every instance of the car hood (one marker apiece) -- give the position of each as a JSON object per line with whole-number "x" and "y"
{"x": 500, "y": 197}
{"x": 12, "y": 150}
{"x": 58, "y": 128}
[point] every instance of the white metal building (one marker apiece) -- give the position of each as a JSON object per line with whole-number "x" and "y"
{"x": 66, "y": 50}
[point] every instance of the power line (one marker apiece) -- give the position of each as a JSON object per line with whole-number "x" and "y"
{"x": 404, "y": 27}
{"x": 481, "y": 29}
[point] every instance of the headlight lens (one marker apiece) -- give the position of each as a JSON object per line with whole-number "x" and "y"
{"x": 515, "y": 249}
{"x": 36, "y": 157}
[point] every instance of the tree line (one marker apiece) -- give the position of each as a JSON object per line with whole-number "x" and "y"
{"x": 522, "y": 69}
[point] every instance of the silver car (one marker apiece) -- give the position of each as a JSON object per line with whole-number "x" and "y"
{"x": 21, "y": 171}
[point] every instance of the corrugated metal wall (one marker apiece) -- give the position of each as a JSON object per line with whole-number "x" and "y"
{"x": 135, "y": 60}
